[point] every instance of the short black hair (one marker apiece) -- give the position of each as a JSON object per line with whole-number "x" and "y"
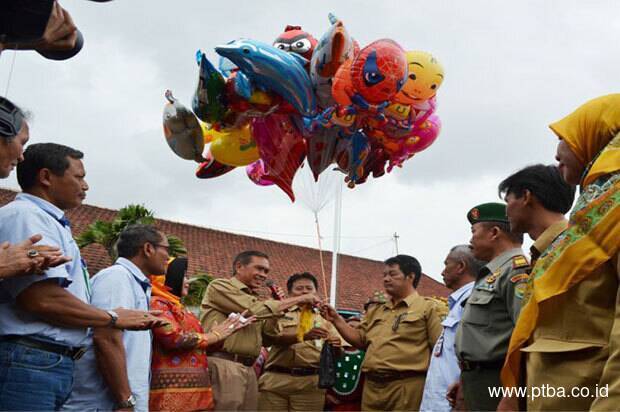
{"x": 543, "y": 181}
{"x": 505, "y": 228}
{"x": 245, "y": 257}
{"x": 133, "y": 237}
{"x": 175, "y": 275}
{"x": 408, "y": 265}
{"x": 39, "y": 156}
{"x": 298, "y": 276}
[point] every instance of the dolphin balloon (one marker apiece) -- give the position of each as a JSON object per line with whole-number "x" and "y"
{"x": 272, "y": 69}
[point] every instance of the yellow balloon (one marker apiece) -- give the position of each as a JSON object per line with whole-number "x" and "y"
{"x": 425, "y": 77}
{"x": 233, "y": 147}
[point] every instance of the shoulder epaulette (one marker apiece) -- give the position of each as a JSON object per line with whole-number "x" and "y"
{"x": 519, "y": 262}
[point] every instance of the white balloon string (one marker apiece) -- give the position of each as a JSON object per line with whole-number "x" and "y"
{"x": 8, "y": 81}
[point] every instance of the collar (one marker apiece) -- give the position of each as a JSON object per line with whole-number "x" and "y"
{"x": 134, "y": 270}
{"x": 242, "y": 286}
{"x": 43, "y": 204}
{"x": 459, "y": 293}
{"x": 499, "y": 260}
{"x": 409, "y": 300}
{"x": 548, "y": 236}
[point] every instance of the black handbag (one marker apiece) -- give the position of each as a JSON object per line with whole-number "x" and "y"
{"x": 327, "y": 367}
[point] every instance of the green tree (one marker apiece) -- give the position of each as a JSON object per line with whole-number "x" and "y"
{"x": 197, "y": 289}
{"x": 106, "y": 233}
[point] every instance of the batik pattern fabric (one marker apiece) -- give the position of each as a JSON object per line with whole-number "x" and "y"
{"x": 179, "y": 372}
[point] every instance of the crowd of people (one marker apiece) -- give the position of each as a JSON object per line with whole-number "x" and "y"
{"x": 122, "y": 339}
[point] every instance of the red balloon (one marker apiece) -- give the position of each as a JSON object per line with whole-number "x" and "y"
{"x": 376, "y": 74}
{"x": 211, "y": 168}
{"x": 282, "y": 148}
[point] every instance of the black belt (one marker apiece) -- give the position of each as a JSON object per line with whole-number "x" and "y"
{"x": 294, "y": 371}
{"x": 470, "y": 365}
{"x": 74, "y": 353}
{"x": 244, "y": 360}
{"x": 388, "y": 376}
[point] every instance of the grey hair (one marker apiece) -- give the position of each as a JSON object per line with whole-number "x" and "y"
{"x": 465, "y": 255}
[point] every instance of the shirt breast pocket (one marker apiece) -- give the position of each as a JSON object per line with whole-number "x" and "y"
{"x": 289, "y": 325}
{"x": 412, "y": 325}
{"x": 479, "y": 312}
{"x": 449, "y": 322}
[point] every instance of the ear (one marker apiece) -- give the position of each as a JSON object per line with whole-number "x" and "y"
{"x": 528, "y": 198}
{"x": 148, "y": 250}
{"x": 495, "y": 232}
{"x": 44, "y": 177}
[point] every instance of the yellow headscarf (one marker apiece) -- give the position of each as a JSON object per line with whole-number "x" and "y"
{"x": 588, "y": 130}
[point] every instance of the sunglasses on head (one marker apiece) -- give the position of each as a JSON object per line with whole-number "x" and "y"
{"x": 11, "y": 118}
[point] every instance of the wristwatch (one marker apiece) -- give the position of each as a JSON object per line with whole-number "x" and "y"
{"x": 113, "y": 318}
{"x": 130, "y": 403}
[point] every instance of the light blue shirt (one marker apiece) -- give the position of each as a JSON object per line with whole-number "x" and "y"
{"x": 122, "y": 285}
{"x": 443, "y": 369}
{"x": 25, "y": 216}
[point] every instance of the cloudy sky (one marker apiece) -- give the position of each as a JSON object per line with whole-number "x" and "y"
{"x": 512, "y": 67}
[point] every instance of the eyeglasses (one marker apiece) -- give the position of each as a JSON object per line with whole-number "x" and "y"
{"x": 11, "y": 118}
{"x": 167, "y": 247}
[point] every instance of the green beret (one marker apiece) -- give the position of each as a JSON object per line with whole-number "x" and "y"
{"x": 488, "y": 212}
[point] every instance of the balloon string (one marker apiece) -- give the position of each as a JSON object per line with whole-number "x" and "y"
{"x": 318, "y": 233}
{"x": 8, "y": 82}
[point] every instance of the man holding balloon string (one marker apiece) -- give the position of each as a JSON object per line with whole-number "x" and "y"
{"x": 233, "y": 378}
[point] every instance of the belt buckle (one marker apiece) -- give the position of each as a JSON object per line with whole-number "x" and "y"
{"x": 79, "y": 353}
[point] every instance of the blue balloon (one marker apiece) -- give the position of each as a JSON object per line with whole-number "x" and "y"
{"x": 270, "y": 68}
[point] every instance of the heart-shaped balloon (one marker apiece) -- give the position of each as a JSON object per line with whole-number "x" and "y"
{"x": 282, "y": 148}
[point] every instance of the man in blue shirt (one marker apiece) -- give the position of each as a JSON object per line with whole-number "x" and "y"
{"x": 44, "y": 318}
{"x": 458, "y": 274}
{"x": 116, "y": 374}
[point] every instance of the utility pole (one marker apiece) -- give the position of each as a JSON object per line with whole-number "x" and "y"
{"x": 396, "y": 241}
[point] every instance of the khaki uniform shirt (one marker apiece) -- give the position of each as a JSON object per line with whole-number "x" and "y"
{"x": 299, "y": 355}
{"x": 577, "y": 331}
{"x": 224, "y": 296}
{"x": 400, "y": 337}
{"x": 492, "y": 309}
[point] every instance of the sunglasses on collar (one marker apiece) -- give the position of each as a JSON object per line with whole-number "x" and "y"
{"x": 11, "y": 118}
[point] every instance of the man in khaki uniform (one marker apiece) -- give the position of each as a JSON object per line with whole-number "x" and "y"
{"x": 492, "y": 309}
{"x": 233, "y": 378}
{"x": 290, "y": 381}
{"x": 398, "y": 337}
{"x": 573, "y": 329}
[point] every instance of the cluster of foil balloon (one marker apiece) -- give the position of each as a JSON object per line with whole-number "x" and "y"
{"x": 269, "y": 107}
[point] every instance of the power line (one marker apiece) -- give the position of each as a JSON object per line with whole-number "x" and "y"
{"x": 372, "y": 246}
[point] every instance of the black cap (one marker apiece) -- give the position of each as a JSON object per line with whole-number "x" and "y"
{"x": 11, "y": 118}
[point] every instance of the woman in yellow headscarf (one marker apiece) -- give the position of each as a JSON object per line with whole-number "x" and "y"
{"x": 568, "y": 333}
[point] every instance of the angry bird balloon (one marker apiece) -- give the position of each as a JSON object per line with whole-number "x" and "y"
{"x": 425, "y": 78}
{"x": 295, "y": 40}
{"x": 374, "y": 76}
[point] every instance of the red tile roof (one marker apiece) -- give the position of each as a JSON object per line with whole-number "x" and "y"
{"x": 213, "y": 251}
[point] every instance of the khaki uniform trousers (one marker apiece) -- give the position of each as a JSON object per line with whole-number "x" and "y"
{"x": 283, "y": 392}
{"x": 235, "y": 387}
{"x": 398, "y": 395}
{"x": 567, "y": 370}
{"x": 475, "y": 388}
